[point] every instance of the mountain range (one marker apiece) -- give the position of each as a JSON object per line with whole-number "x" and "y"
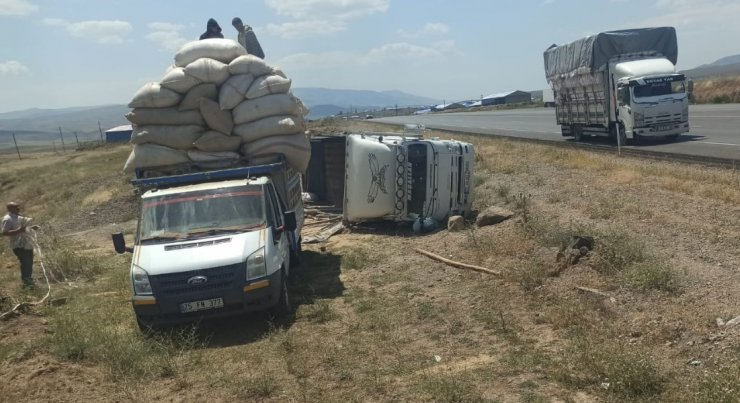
{"x": 86, "y": 123}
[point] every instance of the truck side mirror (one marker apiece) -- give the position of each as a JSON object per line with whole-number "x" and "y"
{"x": 119, "y": 243}
{"x": 289, "y": 221}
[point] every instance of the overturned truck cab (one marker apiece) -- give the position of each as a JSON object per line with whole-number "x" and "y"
{"x": 392, "y": 177}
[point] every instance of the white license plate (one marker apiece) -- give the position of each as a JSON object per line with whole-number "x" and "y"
{"x": 662, "y": 128}
{"x": 212, "y": 303}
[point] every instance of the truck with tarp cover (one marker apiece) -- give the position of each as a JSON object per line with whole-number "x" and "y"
{"x": 621, "y": 84}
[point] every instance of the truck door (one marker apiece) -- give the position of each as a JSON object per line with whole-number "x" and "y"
{"x": 280, "y": 245}
{"x": 625, "y": 109}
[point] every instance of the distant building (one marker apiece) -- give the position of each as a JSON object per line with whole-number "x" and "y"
{"x": 120, "y": 134}
{"x": 511, "y": 97}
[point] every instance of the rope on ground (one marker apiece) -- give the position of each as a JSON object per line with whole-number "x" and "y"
{"x": 458, "y": 264}
{"x": 46, "y": 277}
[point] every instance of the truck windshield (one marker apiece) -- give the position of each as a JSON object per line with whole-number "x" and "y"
{"x": 202, "y": 213}
{"x": 659, "y": 89}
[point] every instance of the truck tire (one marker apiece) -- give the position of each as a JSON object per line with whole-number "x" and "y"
{"x": 622, "y": 135}
{"x": 295, "y": 255}
{"x": 144, "y": 327}
{"x": 577, "y": 133}
{"x": 283, "y": 309}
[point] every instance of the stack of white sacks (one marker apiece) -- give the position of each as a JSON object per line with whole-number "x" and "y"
{"x": 216, "y": 106}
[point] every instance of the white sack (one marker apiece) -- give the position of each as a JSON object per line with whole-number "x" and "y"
{"x": 164, "y": 116}
{"x": 205, "y": 156}
{"x": 216, "y": 118}
{"x": 177, "y": 137}
{"x": 192, "y": 98}
{"x": 178, "y": 81}
{"x": 152, "y": 95}
{"x": 223, "y": 50}
{"x": 153, "y": 155}
{"x": 249, "y": 64}
{"x": 266, "y": 85}
{"x": 270, "y": 126}
{"x": 269, "y": 105}
{"x": 296, "y": 148}
{"x": 233, "y": 90}
{"x": 208, "y": 70}
{"x": 214, "y": 141}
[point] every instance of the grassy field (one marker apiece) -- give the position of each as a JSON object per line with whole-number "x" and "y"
{"x": 719, "y": 90}
{"x": 376, "y": 322}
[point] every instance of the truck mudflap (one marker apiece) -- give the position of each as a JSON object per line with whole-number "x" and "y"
{"x": 254, "y": 295}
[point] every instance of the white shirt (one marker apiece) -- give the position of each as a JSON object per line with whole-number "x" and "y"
{"x": 14, "y": 221}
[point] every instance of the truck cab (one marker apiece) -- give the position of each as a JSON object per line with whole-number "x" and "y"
{"x": 400, "y": 178}
{"x": 652, "y": 98}
{"x": 214, "y": 247}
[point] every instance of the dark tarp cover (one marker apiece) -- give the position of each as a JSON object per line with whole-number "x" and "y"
{"x": 593, "y": 53}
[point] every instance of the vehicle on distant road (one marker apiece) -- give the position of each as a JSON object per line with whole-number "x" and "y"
{"x": 621, "y": 84}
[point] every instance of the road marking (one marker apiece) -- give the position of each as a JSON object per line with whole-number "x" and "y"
{"x": 720, "y": 144}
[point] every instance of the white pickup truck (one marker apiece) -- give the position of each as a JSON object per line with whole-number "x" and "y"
{"x": 215, "y": 243}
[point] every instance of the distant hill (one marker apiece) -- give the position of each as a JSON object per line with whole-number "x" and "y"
{"x": 45, "y": 123}
{"x": 726, "y": 66}
{"x": 325, "y": 102}
{"x": 40, "y": 123}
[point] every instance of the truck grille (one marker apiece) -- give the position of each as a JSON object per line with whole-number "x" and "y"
{"x": 219, "y": 278}
{"x": 663, "y": 119}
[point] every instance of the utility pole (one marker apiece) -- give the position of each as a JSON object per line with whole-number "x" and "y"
{"x": 62, "y": 137}
{"x": 16, "y": 146}
{"x": 100, "y": 129}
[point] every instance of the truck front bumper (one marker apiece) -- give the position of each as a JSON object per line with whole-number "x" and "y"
{"x": 254, "y": 295}
{"x": 662, "y": 130}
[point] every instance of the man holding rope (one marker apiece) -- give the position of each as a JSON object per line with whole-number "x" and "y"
{"x": 16, "y": 226}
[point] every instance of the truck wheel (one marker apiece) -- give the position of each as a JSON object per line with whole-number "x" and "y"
{"x": 577, "y": 133}
{"x": 283, "y": 308}
{"x": 622, "y": 135}
{"x": 295, "y": 255}
{"x": 144, "y": 327}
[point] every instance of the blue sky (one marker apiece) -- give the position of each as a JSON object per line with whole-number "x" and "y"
{"x": 63, "y": 53}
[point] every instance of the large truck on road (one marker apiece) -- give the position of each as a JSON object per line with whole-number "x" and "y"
{"x": 621, "y": 84}
{"x": 214, "y": 243}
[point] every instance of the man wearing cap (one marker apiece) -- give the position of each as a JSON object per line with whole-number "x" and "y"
{"x": 247, "y": 38}
{"x": 16, "y": 226}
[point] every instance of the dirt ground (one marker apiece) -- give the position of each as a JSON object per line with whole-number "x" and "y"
{"x": 376, "y": 321}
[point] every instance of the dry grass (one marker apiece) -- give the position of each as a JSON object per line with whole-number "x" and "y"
{"x": 376, "y": 322}
{"x": 721, "y": 90}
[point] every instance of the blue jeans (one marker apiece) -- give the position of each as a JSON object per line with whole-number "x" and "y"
{"x": 25, "y": 257}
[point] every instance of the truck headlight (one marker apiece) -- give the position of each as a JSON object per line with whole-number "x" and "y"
{"x": 256, "y": 264}
{"x": 140, "y": 280}
{"x": 639, "y": 119}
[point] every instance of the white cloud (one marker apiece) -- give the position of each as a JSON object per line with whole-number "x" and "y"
{"x": 55, "y": 22}
{"x": 17, "y": 7}
{"x": 13, "y": 68}
{"x": 103, "y": 31}
{"x": 429, "y": 29}
{"x": 167, "y": 35}
{"x": 328, "y": 9}
{"x": 701, "y": 14}
{"x": 547, "y": 2}
{"x": 388, "y": 53}
{"x": 306, "y": 29}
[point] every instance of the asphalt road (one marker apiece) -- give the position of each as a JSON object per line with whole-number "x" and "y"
{"x": 715, "y": 129}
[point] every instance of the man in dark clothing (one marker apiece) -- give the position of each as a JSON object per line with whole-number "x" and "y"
{"x": 247, "y": 38}
{"x": 213, "y": 30}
